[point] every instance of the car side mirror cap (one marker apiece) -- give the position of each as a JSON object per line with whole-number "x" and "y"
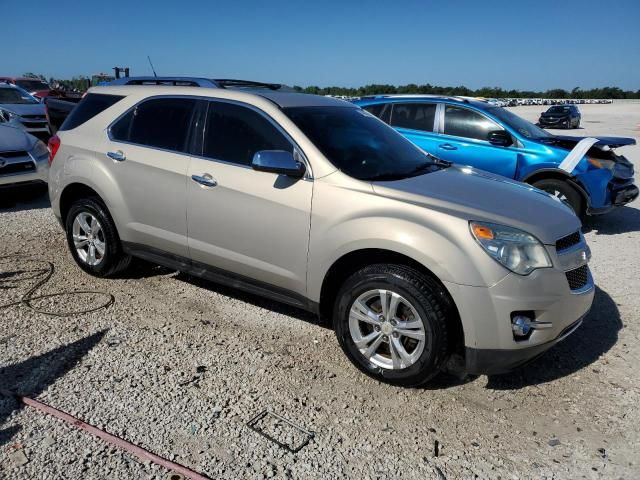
{"x": 500, "y": 138}
{"x": 278, "y": 161}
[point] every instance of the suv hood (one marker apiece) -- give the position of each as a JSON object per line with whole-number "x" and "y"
{"x": 24, "y": 108}
{"x": 478, "y": 195}
{"x": 14, "y": 139}
{"x": 569, "y": 142}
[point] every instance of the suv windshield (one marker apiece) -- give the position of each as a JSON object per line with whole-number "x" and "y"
{"x": 360, "y": 145}
{"x": 519, "y": 124}
{"x": 32, "y": 85}
{"x": 557, "y": 109}
{"x": 15, "y": 95}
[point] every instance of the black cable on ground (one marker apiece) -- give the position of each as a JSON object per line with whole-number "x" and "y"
{"x": 12, "y": 278}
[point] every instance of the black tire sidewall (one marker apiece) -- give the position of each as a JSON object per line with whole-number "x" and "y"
{"x": 574, "y": 198}
{"x": 429, "y": 363}
{"x": 112, "y": 241}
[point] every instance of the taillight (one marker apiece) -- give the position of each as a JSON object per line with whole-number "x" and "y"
{"x": 54, "y": 145}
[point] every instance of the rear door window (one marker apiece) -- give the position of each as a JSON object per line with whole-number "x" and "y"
{"x": 462, "y": 122}
{"x": 234, "y": 133}
{"x": 160, "y": 123}
{"x": 416, "y": 116}
{"x": 90, "y": 106}
{"x": 380, "y": 110}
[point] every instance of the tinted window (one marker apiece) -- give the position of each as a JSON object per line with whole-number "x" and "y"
{"x": 360, "y": 145}
{"x": 31, "y": 85}
{"x": 380, "y": 110}
{"x": 234, "y": 133}
{"x": 160, "y": 123}
{"x": 416, "y": 116}
{"x": 463, "y": 122}
{"x": 15, "y": 95}
{"x": 519, "y": 124}
{"x": 89, "y": 107}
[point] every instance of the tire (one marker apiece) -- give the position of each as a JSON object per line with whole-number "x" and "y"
{"x": 415, "y": 294}
{"x": 106, "y": 263}
{"x": 565, "y": 192}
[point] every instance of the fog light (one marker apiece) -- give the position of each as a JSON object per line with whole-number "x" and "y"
{"x": 521, "y": 326}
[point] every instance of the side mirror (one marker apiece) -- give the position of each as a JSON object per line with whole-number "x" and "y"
{"x": 278, "y": 161}
{"x": 500, "y": 138}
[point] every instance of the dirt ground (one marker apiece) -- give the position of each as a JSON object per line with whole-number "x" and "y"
{"x": 178, "y": 366}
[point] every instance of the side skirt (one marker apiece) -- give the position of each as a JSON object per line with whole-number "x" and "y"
{"x": 223, "y": 277}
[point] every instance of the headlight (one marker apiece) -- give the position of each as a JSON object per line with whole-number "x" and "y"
{"x": 599, "y": 163}
{"x": 6, "y": 115}
{"x": 40, "y": 150}
{"x": 518, "y": 251}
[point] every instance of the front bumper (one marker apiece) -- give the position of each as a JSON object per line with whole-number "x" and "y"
{"x": 545, "y": 122}
{"x": 545, "y": 295}
{"x": 496, "y": 361}
{"x": 38, "y": 174}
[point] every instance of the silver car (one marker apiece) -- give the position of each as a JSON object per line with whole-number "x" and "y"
{"x": 22, "y": 110}
{"x": 23, "y": 158}
{"x": 316, "y": 203}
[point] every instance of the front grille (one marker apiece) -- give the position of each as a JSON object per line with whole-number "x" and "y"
{"x": 578, "y": 277}
{"x": 35, "y": 124}
{"x": 568, "y": 241}
{"x": 15, "y": 168}
{"x": 17, "y": 154}
{"x": 34, "y": 117}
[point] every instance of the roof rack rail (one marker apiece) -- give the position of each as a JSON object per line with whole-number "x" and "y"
{"x": 230, "y": 82}
{"x": 420, "y": 95}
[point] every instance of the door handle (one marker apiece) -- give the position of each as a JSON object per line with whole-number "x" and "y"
{"x": 118, "y": 156}
{"x": 205, "y": 180}
{"x": 447, "y": 146}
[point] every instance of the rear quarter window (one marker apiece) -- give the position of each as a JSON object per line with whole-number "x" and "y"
{"x": 90, "y": 106}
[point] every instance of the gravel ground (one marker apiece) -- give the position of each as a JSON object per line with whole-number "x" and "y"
{"x": 179, "y": 366}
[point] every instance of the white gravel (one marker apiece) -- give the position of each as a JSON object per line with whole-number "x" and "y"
{"x": 181, "y": 365}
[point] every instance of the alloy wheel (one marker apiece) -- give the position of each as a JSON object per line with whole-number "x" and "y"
{"x": 88, "y": 239}
{"x": 387, "y": 329}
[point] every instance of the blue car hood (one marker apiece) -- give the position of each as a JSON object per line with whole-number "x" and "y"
{"x": 569, "y": 141}
{"x": 24, "y": 108}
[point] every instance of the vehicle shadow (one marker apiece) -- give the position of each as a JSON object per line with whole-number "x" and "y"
{"x": 33, "y": 376}
{"x": 33, "y": 197}
{"x": 597, "y": 335}
{"x": 253, "y": 299}
{"x": 620, "y": 220}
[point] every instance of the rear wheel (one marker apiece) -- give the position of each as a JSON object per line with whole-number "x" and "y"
{"x": 564, "y": 192}
{"x": 391, "y": 322}
{"x": 93, "y": 239}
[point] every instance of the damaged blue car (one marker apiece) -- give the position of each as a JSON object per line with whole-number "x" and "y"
{"x": 585, "y": 173}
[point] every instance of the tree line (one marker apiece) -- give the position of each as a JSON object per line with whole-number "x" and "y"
{"x": 487, "y": 92}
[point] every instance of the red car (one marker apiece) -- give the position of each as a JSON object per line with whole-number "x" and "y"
{"x": 36, "y": 87}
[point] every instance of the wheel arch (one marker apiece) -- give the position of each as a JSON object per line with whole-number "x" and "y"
{"x": 73, "y": 192}
{"x": 353, "y": 261}
{"x": 557, "y": 174}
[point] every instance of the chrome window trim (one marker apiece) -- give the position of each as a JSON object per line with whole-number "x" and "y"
{"x": 309, "y": 171}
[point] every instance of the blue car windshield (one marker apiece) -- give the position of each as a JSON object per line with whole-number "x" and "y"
{"x": 360, "y": 145}
{"x": 519, "y": 124}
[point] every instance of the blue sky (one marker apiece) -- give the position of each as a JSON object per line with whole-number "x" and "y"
{"x": 512, "y": 44}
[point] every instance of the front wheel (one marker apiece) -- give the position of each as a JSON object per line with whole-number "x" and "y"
{"x": 566, "y": 193}
{"x": 391, "y": 322}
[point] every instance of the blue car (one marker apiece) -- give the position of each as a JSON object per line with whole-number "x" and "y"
{"x": 587, "y": 174}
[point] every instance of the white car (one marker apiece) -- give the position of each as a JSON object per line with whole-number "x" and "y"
{"x": 24, "y": 159}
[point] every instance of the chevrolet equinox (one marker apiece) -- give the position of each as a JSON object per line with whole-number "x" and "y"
{"x": 314, "y": 202}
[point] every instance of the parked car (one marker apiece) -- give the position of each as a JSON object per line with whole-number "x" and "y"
{"x": 19, "y": 109}
{"x": 36, "y": 87}
{"x": 560, "y": 116}
{"x": 23, "y": 158}
{"x": 475, "y": 133}
{"x": 412, "y": 259}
